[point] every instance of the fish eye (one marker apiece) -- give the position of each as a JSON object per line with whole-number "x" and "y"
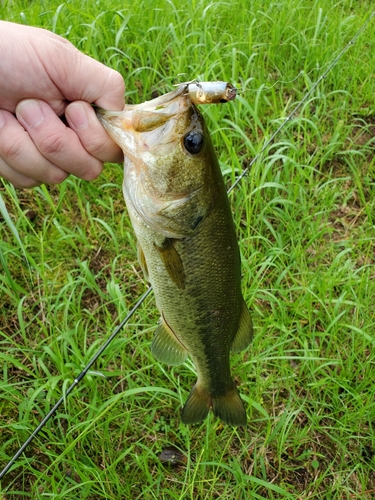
{"x": 193, "y": 142}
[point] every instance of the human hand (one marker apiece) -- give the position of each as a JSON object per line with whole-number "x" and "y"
{"x": 44, "y": 77}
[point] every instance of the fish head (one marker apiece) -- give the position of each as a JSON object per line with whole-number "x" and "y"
{"x": 165, "y": 140}
{"x": 168, "y": 159}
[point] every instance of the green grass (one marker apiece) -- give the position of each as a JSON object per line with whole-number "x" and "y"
{"x": 305, "y": 219}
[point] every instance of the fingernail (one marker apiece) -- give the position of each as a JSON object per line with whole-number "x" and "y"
{"x": 78, "y": 115}
{"x": 2, "y": 119}
{"x": 30, "y": 112}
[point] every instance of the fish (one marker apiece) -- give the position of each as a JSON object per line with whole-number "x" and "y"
{"x": 187, "y": 245}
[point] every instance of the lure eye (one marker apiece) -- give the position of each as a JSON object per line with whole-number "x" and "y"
{"x": 193, "y": 142}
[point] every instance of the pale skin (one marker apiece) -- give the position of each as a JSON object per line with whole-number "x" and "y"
{"x": 44, "y": 78}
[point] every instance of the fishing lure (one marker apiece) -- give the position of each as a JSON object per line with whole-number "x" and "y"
{"x": 211, "y": 92}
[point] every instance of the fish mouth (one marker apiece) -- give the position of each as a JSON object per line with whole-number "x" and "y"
{"x": 160, "y": 103}
{"x": 153, "y": 126}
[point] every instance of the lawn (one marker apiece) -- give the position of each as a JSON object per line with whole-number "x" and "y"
{"x": 305, "y": 220}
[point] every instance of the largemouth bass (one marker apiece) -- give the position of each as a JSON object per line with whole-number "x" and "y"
{"x": 187, "y": 245}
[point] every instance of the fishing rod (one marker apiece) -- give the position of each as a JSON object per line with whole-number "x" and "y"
{"x": 148, "y": 291}
{"x": 75, "y": 383}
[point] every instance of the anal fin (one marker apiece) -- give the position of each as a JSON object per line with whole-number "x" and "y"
{"x": 166, "y": 347}
{"x": 244, "y": 334}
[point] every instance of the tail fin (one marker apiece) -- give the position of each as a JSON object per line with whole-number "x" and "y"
{"x": 229, "y": 408}
{"x": 196, "y": 407}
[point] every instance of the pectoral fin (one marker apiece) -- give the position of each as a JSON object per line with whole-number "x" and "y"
{"x": 166, "y": 347}
{"x": 172, "y": 262}
{"x": 244, "y": 333}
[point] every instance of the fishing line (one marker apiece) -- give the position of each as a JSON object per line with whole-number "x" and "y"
{"x": 288, "y": 82}
{"x": 301, "y": 103}
{"x": 148, "y": 291}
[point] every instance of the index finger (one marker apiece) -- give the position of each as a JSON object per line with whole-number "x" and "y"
{"x": 89, "y": 80}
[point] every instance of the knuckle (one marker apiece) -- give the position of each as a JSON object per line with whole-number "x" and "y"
{"x": 11, "y": 148}
{"x": 118, "y": 82}
{"x": 26, "y": 183}
{"x": 95, "y": 146}
{"x": 18, "y": 180}
{"x": 52, "y": 145}
{"x": 115, "y": 83}
{"x": 93, "y": 172}
{"x": 56, "y": 176}
{"x": 95, "y": 141}
{"x": 101, "y": 147}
